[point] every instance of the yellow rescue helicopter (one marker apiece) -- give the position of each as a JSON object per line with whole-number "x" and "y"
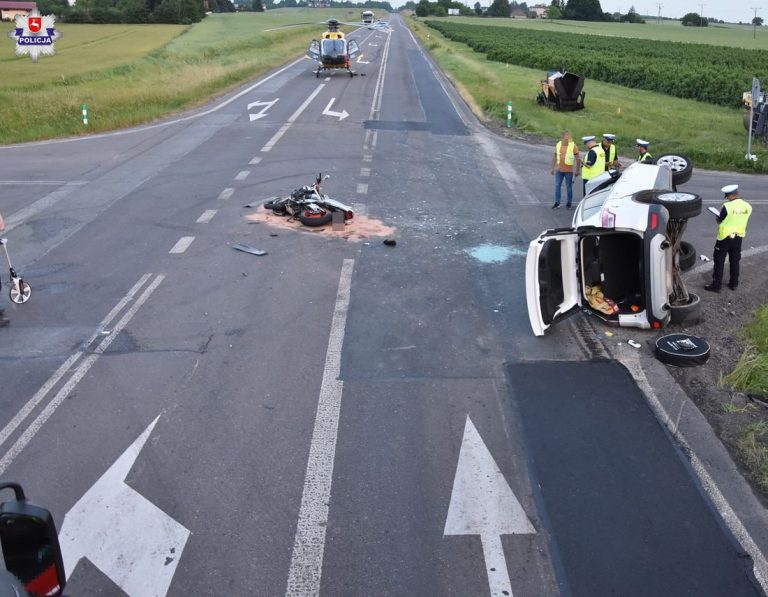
{"x": 334, "y": 51}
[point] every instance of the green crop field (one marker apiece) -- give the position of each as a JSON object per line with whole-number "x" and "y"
{"x": 738, "y": 36}
{"x": 82, "y": 49}
{"x": 130, "y": 74}
{"x": 713, "y": 136}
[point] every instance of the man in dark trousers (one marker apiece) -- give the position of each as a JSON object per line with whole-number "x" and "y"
{"x": 732, "y": 226}
{"x": 3, "y": 320}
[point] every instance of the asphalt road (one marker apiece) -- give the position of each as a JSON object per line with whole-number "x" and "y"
{"x": 334, "y": 417}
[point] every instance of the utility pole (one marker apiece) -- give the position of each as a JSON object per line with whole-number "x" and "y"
{"x": 701, "y": 14}
{"x": 754, "y": 24}
{"x": 659, "y": 5}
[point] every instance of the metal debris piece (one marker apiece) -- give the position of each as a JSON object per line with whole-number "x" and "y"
{"x": 248, "y": 249}
{"x": 633, "y": 344}
{"x": 703, "y": 258}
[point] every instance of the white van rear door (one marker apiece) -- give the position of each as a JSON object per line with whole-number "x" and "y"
{"x": 551, "y": 278}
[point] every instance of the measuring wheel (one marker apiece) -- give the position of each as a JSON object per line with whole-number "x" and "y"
{"x": 20, "y": 291}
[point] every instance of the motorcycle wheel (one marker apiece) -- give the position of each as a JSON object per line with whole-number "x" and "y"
{"x": 313, "y": 220}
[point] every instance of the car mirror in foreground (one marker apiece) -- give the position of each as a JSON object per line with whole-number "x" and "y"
{"x": 30, "y": 545}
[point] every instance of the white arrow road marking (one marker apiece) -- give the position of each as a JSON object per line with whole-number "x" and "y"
{"x": 340, "y": 115}
{"x": 123, "y": 534}
{"x": 482, "y": 503}
{"x": 263, "y": 112}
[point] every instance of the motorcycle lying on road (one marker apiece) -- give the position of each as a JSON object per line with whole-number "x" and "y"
{"x": 308, "y": 205}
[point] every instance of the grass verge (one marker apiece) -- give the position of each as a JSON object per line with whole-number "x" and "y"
{"x": 751, "y": 372}
{"x": 156, "y": 78}
{"x": 712, "y": 136}
{"x": 751, "y": 377}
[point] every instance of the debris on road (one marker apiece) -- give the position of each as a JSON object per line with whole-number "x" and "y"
{"x": 362, "y": 228}
{"x": 633, "y": 344}
{"x": 390, "y": 242}
{"x": 248, "y": 249}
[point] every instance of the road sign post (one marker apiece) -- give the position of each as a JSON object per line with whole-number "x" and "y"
{"x": 509, "y": 114}
{"x": 755, "y": 99}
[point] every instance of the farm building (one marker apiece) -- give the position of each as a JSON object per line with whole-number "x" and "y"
{"x": 9, "y": 10}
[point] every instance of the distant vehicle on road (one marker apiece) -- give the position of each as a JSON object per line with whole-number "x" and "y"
{"x": 620, "y": 259}
{"x": 367, "y": 17}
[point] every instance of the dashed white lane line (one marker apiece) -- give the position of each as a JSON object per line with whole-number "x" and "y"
{"x": 367, "y": 157}
{"x": 207, "y": 216}
{"x": 182, "y": 244}
{"x": 309, "y": 545}
{"x": 242, "y": 175}
{"x": 362, "y": 188}
{"x": 226, "y": 193}
{"x": 255, "y": 161}
{"x": 365, "y": 171}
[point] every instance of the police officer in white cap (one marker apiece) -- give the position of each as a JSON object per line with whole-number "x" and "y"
{"x": 732, "y": 226}
{"x": 611, "y": 157}
{"x": 594, "y": 161}
{"x": 645, "y": 156}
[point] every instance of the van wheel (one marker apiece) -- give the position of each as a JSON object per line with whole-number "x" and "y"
{"x": 681, "y": 206}
{"x": 682, "y": 350}
{"x": 681, "y": 166}
{"x": 687, "y": 256}
{"x": 690, "y": 313}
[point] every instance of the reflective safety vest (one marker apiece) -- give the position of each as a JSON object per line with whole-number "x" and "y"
{"x": 611, "y": 157}
{"x": 736, "y": 220}
{"x": 646, "y": 157}
{"x": 589, "y": 172}
{"x": 569, "y": 159}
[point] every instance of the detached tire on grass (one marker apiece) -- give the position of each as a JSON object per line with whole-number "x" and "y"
{"x": 682, "y": 350}
{"x": 681, "y": 206}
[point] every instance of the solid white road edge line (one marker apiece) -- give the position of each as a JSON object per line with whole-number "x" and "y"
{"x": 730, "y": 517}
{"x": 80, "y": 372}
{"x": 276, "y": 137}
{"x": 309, "y": 544}
{"x": 66, "y": 365}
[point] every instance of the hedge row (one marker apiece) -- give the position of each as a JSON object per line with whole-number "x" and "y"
{"x": 713, "y": 74}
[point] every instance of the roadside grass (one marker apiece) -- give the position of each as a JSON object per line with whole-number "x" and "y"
{"x": 198, "y": 62}
{"x": 751, "y": 372}
{"x": 739, "y": 36}
{"x": 752, "y": 444}
{"x": 712, "y": 136}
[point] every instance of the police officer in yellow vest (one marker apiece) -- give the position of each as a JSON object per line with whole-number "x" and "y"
{"x": 611, "y": 158}
{"x": 645, "y": 156}
{"x": 594, "y": 162}
{"x": 732, "y": 226}
{"x": 565, "y": 163}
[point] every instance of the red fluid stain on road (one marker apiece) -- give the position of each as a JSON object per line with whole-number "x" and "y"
{"x": 358, "y": 229}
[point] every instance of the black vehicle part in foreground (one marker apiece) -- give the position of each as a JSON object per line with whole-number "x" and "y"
{"x": 682, "y": 350}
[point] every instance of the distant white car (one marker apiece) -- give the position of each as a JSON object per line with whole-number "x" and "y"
{"x": 617, "y": 247}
